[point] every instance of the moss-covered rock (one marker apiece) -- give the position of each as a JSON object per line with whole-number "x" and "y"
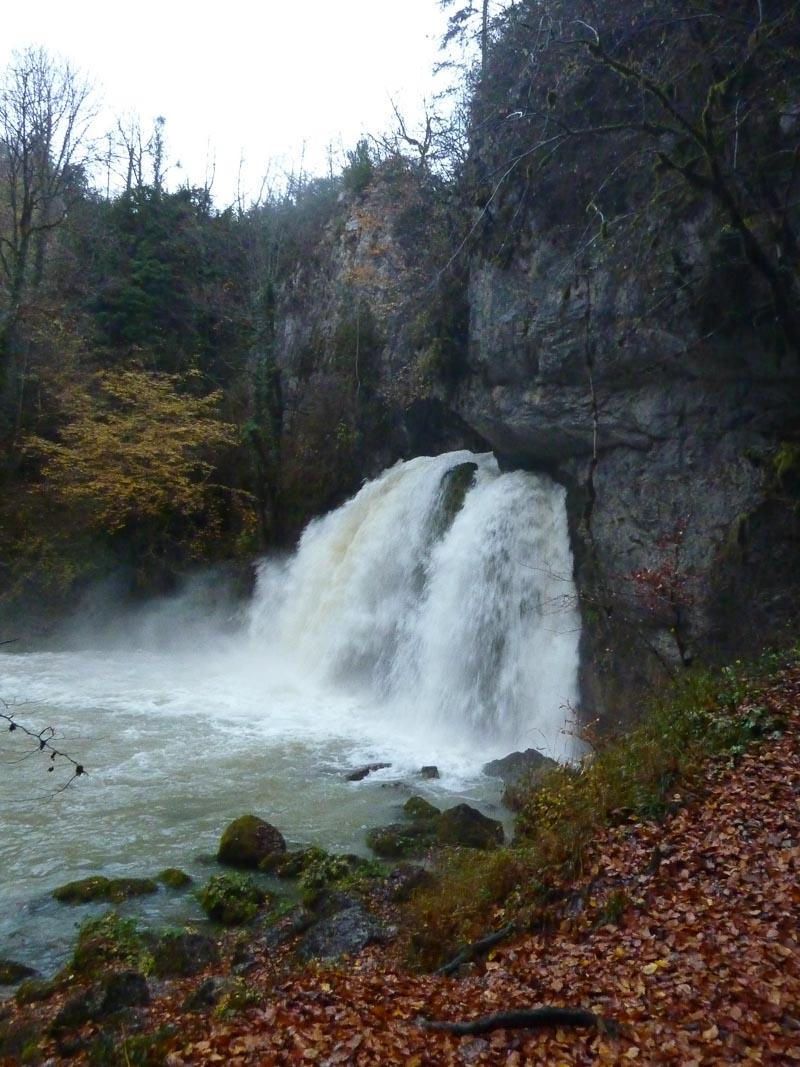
{"x": 82, "y": 891}
{"x": 174, "y": 878}
{"x": 455, "y": 485}
{"x": 114, "y": 890}
{"x": 401, "y": 839}
{"x": 465, "y": 825}
{"x": 109, "y": 942}
{"x": 292, "y": 864}
{"x": 418, "y": 809}
{"x": 12, "y": 972}
{"x": 248, "y": 841}
{"x": 113, "y": 993}
{"x": 344, "y": 871}
{"x": 120, "y": 889}
{"x": 231, "y": 899}
{"x": 177, "y": 953}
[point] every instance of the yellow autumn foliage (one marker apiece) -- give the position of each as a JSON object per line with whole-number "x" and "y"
{"x": 135, "y": 445}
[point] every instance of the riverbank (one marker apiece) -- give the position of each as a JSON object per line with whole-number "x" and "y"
{"x": 679, "y": 931}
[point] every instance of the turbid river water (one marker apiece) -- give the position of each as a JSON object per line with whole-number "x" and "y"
{"x": 430, "y": 620}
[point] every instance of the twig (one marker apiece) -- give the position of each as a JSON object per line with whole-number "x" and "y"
{"x": 533, "y": 1019}
{"x": 478, "y": 948}
{"x": 44, "y": 740}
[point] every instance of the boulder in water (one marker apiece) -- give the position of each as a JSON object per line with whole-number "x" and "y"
{"x": 418, "y": 809}
{"x": 464, "y": 825}
{"x": 97, "y": 887}
{"x": 12, "y": 972}
{"x": 174, "y": 878}
{"x": 429, "y": 771}
{"x": 361, "y": 773}
{"x": 247, "y": 842}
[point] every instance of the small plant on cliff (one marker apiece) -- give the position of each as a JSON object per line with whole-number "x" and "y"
{"x": 360, "y": 168}
{"x": 665, "y": 589}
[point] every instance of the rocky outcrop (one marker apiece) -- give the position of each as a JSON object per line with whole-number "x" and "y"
{"x": 368, "y": 334}
{"x": 522, "y": 773}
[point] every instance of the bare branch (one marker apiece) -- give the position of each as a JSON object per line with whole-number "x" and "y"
{"x": 43, "y": 742}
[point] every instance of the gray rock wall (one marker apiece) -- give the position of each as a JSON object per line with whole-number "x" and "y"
{"x": 666, "y": 442}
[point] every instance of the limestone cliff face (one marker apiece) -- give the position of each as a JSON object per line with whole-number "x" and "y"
{"x": 367, "y": 334}
{"x": 624, "y": 333}
{"x": 685, "y": 542}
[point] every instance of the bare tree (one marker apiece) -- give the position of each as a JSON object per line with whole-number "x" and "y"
{"x": 45, "y": 112}
{"x": 459, "y": 24}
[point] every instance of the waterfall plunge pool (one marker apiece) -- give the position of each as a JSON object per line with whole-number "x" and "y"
{"x": 430, "y": 620}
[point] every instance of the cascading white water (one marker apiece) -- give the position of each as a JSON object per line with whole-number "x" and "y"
{"x": 457, "y": 618}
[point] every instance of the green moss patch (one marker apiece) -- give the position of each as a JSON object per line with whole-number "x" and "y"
{"x": 231, "y": 899}
{"x": 113, "y": 890}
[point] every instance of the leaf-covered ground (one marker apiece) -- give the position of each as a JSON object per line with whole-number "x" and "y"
{"x": 683, "y": 933}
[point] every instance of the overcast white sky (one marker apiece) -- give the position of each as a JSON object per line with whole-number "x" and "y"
{"x": 258, "y": 79}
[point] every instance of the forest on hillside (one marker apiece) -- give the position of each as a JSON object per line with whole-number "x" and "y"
{"x": 149, "y": 420}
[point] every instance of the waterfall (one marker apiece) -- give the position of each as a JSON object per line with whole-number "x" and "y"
{"x": 443, "y": 593}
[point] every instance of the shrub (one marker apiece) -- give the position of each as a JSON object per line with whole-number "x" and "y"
{"x": 461, "y": 902}
{"x": 231, "y": 899}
